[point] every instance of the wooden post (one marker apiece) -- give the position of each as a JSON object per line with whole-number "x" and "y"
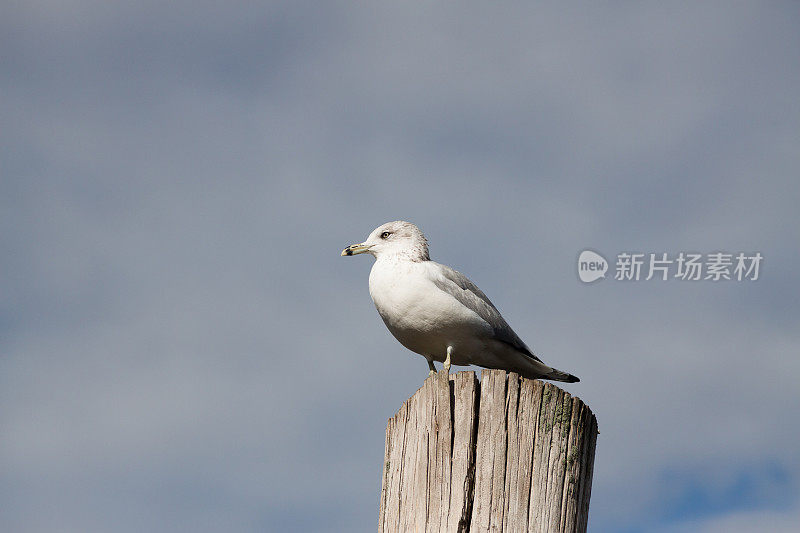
{"x": 505, "y": 454}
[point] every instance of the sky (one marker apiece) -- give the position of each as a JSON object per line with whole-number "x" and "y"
{"x": 182, "y": 348}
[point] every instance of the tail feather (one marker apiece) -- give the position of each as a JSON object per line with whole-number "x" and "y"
{"x": 535, "y": 369}
{"x": 558, "y": 375}
{"x": 530, "y": 366}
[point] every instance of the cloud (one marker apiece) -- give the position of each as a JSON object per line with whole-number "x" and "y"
{"x": 742, "y": 521}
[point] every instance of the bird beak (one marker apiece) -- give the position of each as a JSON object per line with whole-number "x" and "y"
{"x": 355, "y": 249}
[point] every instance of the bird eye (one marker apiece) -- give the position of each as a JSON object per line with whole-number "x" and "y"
{"x": 385, "y": 234}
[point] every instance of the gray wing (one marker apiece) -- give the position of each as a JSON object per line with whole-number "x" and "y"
{"x": 462, "y": 289}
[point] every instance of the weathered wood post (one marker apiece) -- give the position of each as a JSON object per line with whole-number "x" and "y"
{"x": 505, "y": 454}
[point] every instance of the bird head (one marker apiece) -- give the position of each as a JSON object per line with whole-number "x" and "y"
{"x": 399, "y": 238}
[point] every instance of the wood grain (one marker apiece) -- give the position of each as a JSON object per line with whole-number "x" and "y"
{"x": 503, "y": 454}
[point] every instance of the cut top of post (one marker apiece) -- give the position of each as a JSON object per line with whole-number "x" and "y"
{"x": 506, "y": 453}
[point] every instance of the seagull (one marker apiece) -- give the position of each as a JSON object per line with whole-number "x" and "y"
{"x": 438, "y": 312}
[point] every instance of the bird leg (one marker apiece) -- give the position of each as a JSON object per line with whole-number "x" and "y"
{"x": 432, "y": 367}
{"x": 447, "y": 360}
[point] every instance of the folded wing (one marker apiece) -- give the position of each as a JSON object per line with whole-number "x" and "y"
{"x": 468, "y": 294}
